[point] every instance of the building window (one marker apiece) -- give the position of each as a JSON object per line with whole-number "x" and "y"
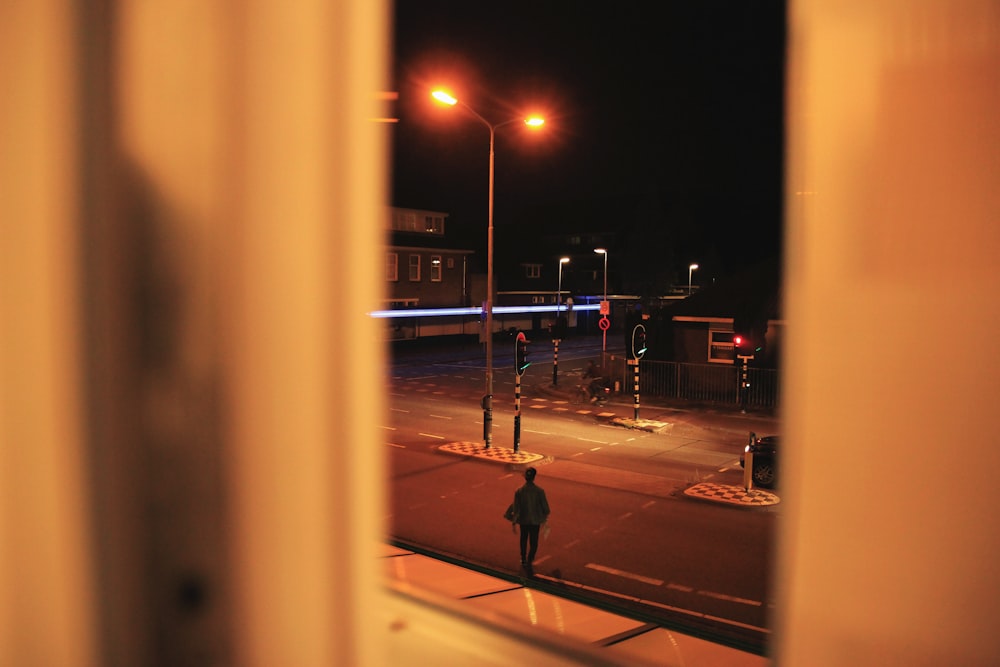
{"x": 414, "y": 268}
{"x": 435, "y": 268}
{"x": 720, "y": 347}
{"x": 433, "y": 224}
{"x": 533, "y": 270}
{"x": 451, "y": 262}
{"x": 391, "y": 266}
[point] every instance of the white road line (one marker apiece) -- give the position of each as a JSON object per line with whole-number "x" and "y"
{"x": 678, "y": 587}
{"x": 625, "y": 516}
{"x": 400, "y": 410}
{"x": 600, "y": 442}
{"x": 595, "y": 449}
{"x": 649, "y": 504}
{"x": 730, "y": 598}
{"x": 440, "y": 416}
{"x": 392, "y": 444}
{"x": 431, "y": 435}
{"x": 389, "y": 428}
{"x": 626, "y": 575}
{"x": 528, "y": 430}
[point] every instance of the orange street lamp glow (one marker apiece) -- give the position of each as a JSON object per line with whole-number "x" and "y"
{"x": 535, "y": 121}
{"x": 444, "y": 97}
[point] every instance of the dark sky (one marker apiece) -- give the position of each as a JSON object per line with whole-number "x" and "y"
{"x": 672, "y": 109}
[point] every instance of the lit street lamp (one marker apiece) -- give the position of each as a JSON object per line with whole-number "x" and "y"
{"x": 562, "y": 260}
{"x": 690, "y": 271}
{"x": 445, "y": 98}
{"x": 605, "y": 306}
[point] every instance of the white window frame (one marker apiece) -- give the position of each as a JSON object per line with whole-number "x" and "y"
{"x": 720, "y": 346}
{"x": 413, "y": 265}
{"x": 392, "y": 267}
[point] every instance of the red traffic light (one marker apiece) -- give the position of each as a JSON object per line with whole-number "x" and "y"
{"x": 737, "y": 340}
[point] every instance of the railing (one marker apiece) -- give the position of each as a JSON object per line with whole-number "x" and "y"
{"x": 707, "y": 383}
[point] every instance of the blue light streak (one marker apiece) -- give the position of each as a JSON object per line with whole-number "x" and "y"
{"x": 458, "y": 312}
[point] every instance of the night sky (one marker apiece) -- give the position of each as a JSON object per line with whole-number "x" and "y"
{"x": 669, "y": 114}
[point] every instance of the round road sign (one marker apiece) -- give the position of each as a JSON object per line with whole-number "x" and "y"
{"x": 604, "y": 323}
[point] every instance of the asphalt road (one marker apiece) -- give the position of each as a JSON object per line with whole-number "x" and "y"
{"x": 622, "y": 530}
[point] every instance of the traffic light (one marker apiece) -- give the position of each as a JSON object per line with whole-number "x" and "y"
{"x": 743, "y": 346}
{"x": 638, "y": 341}
{"x": 521, "y": 353}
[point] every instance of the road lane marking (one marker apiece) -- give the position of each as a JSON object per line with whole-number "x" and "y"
{"x": 649, "y": 504}
{"x": 431, "y": 435}
{"x": 730, "y": 598}
{"x": 627, "y": 575}
{"x": 678, "y": 587}
{"x": 400, "y": 410}
{"x": 528, "y": 430}
{"x": 440, "y": 416}
{"x": 595, "y": 449}
{"x": 389, "y": 428}
{"x": 600, "y": 442}
{"x": 392, "y": 444}
{"x": 653, "y": 603}
{"x": 625, "y": 516}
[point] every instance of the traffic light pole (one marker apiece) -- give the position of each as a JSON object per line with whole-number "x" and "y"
{"x": 517, "y": 411}
{"x": 555, "y": 362}
{"x": 635, "y": 375}
{"x": 744, "y": 381}
{"x": 520, "y": 364}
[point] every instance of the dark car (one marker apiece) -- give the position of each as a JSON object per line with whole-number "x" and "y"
{"x": 765, "y": 459}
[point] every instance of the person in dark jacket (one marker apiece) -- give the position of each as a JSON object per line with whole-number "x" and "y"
{"x": 531, "y": 511}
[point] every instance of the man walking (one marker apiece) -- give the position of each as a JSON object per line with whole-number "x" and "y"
{"x": 531, "y": 511}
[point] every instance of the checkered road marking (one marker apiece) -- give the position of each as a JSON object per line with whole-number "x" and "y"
{"x": 494, "y": 453}
{"x": 735, "y": 495}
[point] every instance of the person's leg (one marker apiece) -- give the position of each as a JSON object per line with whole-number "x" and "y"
{"x": 524, "y": 542}
{"x": 533, "y": 538}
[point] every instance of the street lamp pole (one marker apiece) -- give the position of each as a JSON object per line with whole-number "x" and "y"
{"x": 562, "y": 260}
{"x": 557, "y": 327}
{"x": 605, "y": 307}
{"x": 487, "y": 402}
{"x": 691, "y": 269}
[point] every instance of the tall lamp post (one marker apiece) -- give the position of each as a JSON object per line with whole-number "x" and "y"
{"x": 445, "y": 98}
{"x": 562, "y": 260}
{"x": 605, "y": 306}
{"x": 691, "y": 269}
{"x": 557, "y": 327}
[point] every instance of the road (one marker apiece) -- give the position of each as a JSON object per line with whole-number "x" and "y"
{"x": 622, "y": 530}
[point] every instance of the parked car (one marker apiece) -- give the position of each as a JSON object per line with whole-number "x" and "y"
{"x": 765, "y": 459}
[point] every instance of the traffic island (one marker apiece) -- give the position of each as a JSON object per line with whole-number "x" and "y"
{"x": 499, "y": 454}
{"x": 650, "y": 425}
{"x": 731, "y": 494}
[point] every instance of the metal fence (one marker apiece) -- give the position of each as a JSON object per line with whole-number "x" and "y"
{"x": 710, "y": 383}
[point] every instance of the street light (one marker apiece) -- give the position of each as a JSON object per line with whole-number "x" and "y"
{"x": 604, "y": 304}
{"x": 562, "y": 260}
{"x": 445, "y": 98}
{"x": 690, "y": 270}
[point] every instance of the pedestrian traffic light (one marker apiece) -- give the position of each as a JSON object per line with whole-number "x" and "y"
{"x": 638, "y": 341}
{"x": 521, "y": 353}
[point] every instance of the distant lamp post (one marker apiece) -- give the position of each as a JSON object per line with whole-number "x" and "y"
{"x": 445, "y": 98}
{"x": 691, "y": 270}
{"x": 557, "y": 329}
{"x": 562, "y": 260}
{"x": 605, "y": 306}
